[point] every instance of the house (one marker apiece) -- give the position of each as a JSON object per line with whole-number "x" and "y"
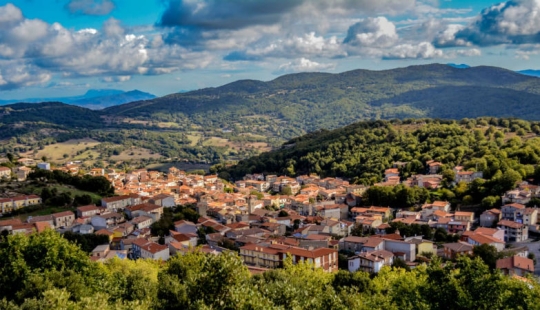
{"x": 513, "y": 212}
{"x": 490, "y": 218}
{"x": 458, "y": 227}
{"x": 521, "y": 196}
{"x": 141, "y": 222}
{"x": 273, "y": 255}
{"x": 429, "y": 208}
{"x": 403, "y": 249}
{"x": 88, "y": 211}
{"x": 514, "y": 231}
{"x": 423, "y": 247}
{"x": 466, "y": 176}
{"x": 452, "y": 250}
{"x": 142, "y": 248}
{"x": 352, "y": 243}
{"x": 515, "y": 265}
{"x": 163, "y": 200}
{"x": 147, "y": 209}
{"x": 5, "y": 172}
{"x": 464, "y": 216}
{"x": 63, "y": 219}
{"x": 479, "y": 239}
{"x": 22, "y": 173}
{"x": 371, "y": 262}
{"x": 433, "y": 166}
{"x": 106, "y": 220}
{"x": 15, "y": 203}
{"x": 120, "y": 202}
{"x": 185, "y": 227}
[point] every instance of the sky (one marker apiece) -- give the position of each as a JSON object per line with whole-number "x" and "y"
{"x": 57, "y": 48}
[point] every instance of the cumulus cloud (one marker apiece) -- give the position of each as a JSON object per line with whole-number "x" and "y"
{"x": 309, "y": 44}
{"x": 510, "y": 22}
{"x": 90, "y": 7}
{"x": 116, "y": 79}
{"x": 424, "y": 50}
{"x": 16, "y": 74}
{"x": 372, "y": 32}
{"x": 40, "y": 50}
{"x": 303, "y": 65}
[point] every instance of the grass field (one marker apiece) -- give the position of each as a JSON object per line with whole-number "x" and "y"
{"x": 32, "y": 189}
{"x": 55, "y": 152}
{"x": 135, "y": 153}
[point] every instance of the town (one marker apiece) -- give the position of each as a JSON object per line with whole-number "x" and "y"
{"x": 267, "y": 218}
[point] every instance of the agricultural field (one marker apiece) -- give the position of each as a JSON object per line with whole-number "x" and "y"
{"x": 55, "y": 152}
{"x": 135, "y": 153}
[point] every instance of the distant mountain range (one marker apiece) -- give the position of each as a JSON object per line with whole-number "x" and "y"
{"x": 294, "y": 104}
{"x": 529, "y": 72}
{"x": 94, "y": 99}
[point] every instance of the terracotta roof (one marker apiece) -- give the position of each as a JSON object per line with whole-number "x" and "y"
{"x": 87, "y": 208}
{"x": 515, "y": 205}
{"x": 516, "y": 262}
{"x": 510, "y": 224}
{"x": 63, "y": 214}
{"x": 153, "y": 247}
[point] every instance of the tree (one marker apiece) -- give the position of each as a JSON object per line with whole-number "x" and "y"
{"x": 533, "y": 257}
{"x": 400, "y": 263}
{"x": 488, "y": 254}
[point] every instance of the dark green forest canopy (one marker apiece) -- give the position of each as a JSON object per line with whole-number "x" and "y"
{"x": 363, "y": 151}
{"x": 44, "y": 271}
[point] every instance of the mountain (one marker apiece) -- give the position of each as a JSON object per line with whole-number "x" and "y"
{"x": 298, "y": 103}
{"x": 529, "y": 72}
{"x": 459, "y": 66}
{"x": 101, "y": 101}
{"x": 92, "y": 99}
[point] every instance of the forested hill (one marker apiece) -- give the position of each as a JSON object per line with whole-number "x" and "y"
{"x": 311, "y": 101}
{"x": 504, "y": 149}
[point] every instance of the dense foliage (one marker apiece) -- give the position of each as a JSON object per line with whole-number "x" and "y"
{"x": 96, "y": 184}
{"x": 505, "y": 150}
{"x": 45, "y": 271}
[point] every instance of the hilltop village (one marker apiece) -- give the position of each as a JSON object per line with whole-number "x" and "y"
{"x": 266, "y": 218}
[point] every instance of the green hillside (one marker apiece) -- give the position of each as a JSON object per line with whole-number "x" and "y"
{"x": 311, "y": 101}
{"x": 247, "y": 117}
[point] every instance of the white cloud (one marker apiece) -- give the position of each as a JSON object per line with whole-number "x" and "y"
{"x": 303, "y": 65}
{"x": 114, "y": 54}
{"x": 116, "y": 79}
{"x": 372, "y": 32}
{"x": 424, "y": 50}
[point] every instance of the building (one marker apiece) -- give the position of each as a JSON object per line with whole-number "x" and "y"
{"x": 515, "y": 265}
{"x": 490, "y": 218}
{"x": 142, "y": 248}
{"x": 141, "y": 222}
{"x": 452, "y": 250}
{"x": 514, "y": 231}
{"x": 44, "y": 166}
{"x": 119, "y": 203}
{"x": 371, "y": 262}
{"x": 63, "y": 219}
{"x": 9, "y": 204}
{"x": 5, "y": 172}
{"x": 88, "y": 211}
{"x": 163, "y": 200}
{"x": 273, "y": 255}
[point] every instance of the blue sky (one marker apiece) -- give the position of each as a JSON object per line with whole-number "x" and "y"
{"x": 55, "y": 48}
